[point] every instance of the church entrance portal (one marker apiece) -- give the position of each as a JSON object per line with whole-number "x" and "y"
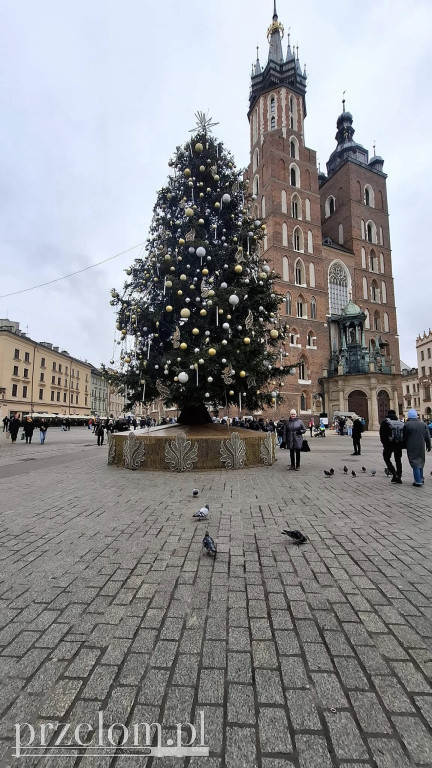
{"x": 357, "y": 402}
{"x": 383, "y": 405}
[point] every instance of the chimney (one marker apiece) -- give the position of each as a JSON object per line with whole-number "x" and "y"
{"x": 56, "y": 349}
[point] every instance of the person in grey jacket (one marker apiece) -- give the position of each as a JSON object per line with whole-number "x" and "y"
{"x": 293, "y": 432}
{"x": 416, "y": 439}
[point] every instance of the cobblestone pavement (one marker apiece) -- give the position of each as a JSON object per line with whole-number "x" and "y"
{"x": 314, "y": 657}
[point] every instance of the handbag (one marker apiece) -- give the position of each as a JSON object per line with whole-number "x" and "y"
{"x": 305, "y": 447}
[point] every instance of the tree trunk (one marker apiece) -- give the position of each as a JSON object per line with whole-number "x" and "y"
{"x": 192, "y": 415}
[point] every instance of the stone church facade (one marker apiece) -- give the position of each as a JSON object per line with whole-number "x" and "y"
{"x": 328, "y": 239}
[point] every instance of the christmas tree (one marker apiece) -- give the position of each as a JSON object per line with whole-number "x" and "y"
{"x": 198, "y": 315}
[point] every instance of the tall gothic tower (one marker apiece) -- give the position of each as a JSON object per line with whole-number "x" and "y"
{"x": 328, "y": 239}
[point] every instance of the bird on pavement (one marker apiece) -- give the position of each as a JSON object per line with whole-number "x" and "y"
{"x": 202, "y": 513}
{"x": 195, "y": 492}
{"x": 363, "y": 469}
{"x": 327, "y": 473}
{"x": 297, "y": 536}
{"x": 209, "y": 545}
{"x": 354, "y": 474}
{"x": 373, "y": 472}
{"x": 331, "y": 471}
{"x": 345, "y": 469}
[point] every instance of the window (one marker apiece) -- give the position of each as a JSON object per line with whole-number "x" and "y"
{"x": 41, "y": 394}
{"x": 422, "y": 355}
{"x": 66, "y": 370}
{"x": 311, "y": 340}
{"x": 313, "y": 308}
{"x": 42, "y": 362}
{"x": 312, "y": 275}
{"x": 54, "y": 366}
{"x": 293, "y": 113}
{"x": 429, "y": 353}
{"x": 16, "y": 354}
{"x": 42, "y": 377}
{"x": 383, "y": 292}
{"x": 73, "y": 373}
{"x": 302, "y": 370}
{"x": 310, "y": 242}
{"x": 285, "y": 269}
{"x": 272, "y": 123}
{"x": 52, "y": 396}
{"x": 59, "y": 381}
{"x": 288, "y": 304}
{"x": 263, "y": 207}
{"x": 15, "y": 370}
{"x": 272, "y": 105}
{"x": 381, "y": 239}
{"x": 373, "y": 261}
{"x": 366, "y": 196}
{"x": 64, "y": 396}
{"x": 71, "y": 398}
{"x": 407, "y": 389}
{"x": 307, "y": 209}
{"x": 292, "y": 149}
{"x": 285, "y": 234}
{"x": 423, "y": 370}
{"x": 367, "y": 321}
{"x": 255, "y": 188}
{"x": 300, "y": 273}
{"x": 60, "y": 367}
{"x": 302, "y": 402}
{"x": 386, "y": 322}
{"x": 14, "y": 390}
{"x": 58, "y": 396}
{"x": 365, "y": 288}
{"x": 296, "y": 207}
{"x": 76, "y": 399}
{"x": 284, "y": 202}
{"x": 338, "y": 287}
{"x": 65, "y": 382}
{"x": 255, "y": 159}
{"x": 26, "y": 373}
{"x": 294, "y": 337}
{"x": 85, "y": 400}
{"x": 294, "y": 176}
{"x": 375, "y": 292}
{"x": 27, "y": 357}
{"x": 363, "y": 231}
{"x": 24, "y": 391}
{"x": 77, "y": 374}
{"x": 377, "y": 321}
{"x": 371, "y": 232}
{"x": 52, "y": 379}
{"x": 330, "y": 206}
{"x": 301, "y": 307}
{"x": 298, "y": 240}
{"x": 369, "y": 196}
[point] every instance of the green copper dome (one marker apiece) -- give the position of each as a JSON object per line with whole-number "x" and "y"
{"x": 351, "y": 310}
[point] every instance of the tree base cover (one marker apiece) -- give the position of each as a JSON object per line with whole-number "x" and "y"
{"x": 194, "y": 415}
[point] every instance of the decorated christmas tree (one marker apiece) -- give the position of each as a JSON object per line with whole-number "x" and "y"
{"x": 198, "y": 316}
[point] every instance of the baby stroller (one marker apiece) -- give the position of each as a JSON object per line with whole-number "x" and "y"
{"x": 320, "y": 431}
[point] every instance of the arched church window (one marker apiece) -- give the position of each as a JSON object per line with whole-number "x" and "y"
{"x": 313, "y": 308}
{"x": 300, "y": 272}
{"x": 288, "y": 304}
{"x": 292, "y": 149}
{"x": 272, "y": 123}
{"x": 296, "y": 210}
{"x": 339, "y": 283}
{"x": 298, "y": 240}
{"x": 285, "y": 269}
{"x": 303, "y": 372}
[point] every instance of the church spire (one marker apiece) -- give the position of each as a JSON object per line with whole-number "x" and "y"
{"x": 275, "y": 34}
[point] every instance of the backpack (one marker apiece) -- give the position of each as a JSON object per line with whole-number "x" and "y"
{"x": 396, "y": 431}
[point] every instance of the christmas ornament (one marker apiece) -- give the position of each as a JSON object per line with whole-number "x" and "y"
{"x": 169, "y": 308}
{"x": 238, "y": 269}
{"x": 199, "y": 148}
{"x": 189, "y": 212}
{"x": 183, "y": 346}
{"x": 233, "y": 300}
{"x": 246, "y": 340}
{"x": 183, "y": 377}
{"x": 274, "y": 334}
{"x": 212, "y": 352}
{"x": 242, "y": 374}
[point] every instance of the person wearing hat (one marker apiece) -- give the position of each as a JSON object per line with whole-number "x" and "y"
{"x": 391, "y": 436}
{"x": 293, "y": 432}
{"x": 416, "y": 440}
{"x": 357, "y": 430}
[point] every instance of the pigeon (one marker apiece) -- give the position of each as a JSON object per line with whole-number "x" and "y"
{"x": 387, "y": 471}
{"x": 327, "y": 474}
{"x": 363, "y": 469}
{"x": 202, "y": 513}
{"x": 297, "y": 536}
{"x": 373, "y": 472}
{"x": 354, "y": 474}
{"x": 195, "y": 492}
{"x": 345, "y": 469}
{"x": 209, "y": 545}
{"x": 331, "y": 471}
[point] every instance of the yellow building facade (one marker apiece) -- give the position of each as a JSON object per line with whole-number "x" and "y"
{"x": 36, "y": 377}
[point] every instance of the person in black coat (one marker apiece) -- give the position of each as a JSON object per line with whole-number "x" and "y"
{"x": 294, "y": 430}
{"x": 14, "y": 426}
{"x": 100, "y": 433}
{"x": 28, "y": 429}
{"x": 357, "y": 430}
{"x": 390, "y": 447}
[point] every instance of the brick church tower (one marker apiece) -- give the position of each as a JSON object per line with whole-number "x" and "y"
{"x": 328, "y": 239}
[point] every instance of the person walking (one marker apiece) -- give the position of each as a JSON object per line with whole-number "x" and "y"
{"x": 391, "y": 436}
{"x": 6, "y": 421}
{"x": 100, "y": 433}
{"x": 294, "y": 430}
{"x": 357, "y": 430}
{"x": 14, "y": 426}
{"x": 28, "y": 429}
{"x": 349, "y": 426}
{"x": 311, "y": 425}
{"x": 416, "y": 440}
{"x": 43, "y": 426}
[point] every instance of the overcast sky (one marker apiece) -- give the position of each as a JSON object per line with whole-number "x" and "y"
{"x": 95, "y": 95}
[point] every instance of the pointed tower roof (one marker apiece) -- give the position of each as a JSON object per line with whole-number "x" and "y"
{"x": 347, "y": 148}
{"x": 258, "y": 63}
{"x": 275, "y": 34}
{"x": 277, "y": 70}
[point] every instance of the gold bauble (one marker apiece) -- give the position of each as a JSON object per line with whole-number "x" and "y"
{"x": 169, "y": 308}
{"x": 211, "y": 293}
{"x": 201, "y": 222}
{"x": 238, "y": 268}
{"x": 167, "y": 257}
{"x": 185, "y": 312}
{"x": 221, "y": 311}
{"x": 192, "y": 287}
{"x": 187, "y": 172}
{"x": 228, "y": 317}
{"x": 235, "y": 240}
{"x": 246, "y": 340}
{"x": 168, "y": 283}
{"x": 205, "y": 271}
{"x": 212, "y": 352}
{"x": 123, "y": 332}
{"x": 202, "y": 168}
{"x": 172, "y": 269}
{"x": 195, "y": 331}
{"x": 181, "y": 241}
{"x": 217, "y": 205}
{"x": 199, "y": 148}
{"x": 216, "y": 178}
{"x": 183, "y": 345}
{"x": 203, "y": 312}
{"x": 189, "y": 212}
{"x": 273, "y": 399}
{"x": 231, "y": 392}
{"x": 242, "y": 374}
{"x": 201, "y": 195}
{"x": 274, "y": 334}
{"x": 175, "y": 378}
{"x": 127, "y": 359}
{"x": 179, "y": 293}
{"x": 183, "y": 278}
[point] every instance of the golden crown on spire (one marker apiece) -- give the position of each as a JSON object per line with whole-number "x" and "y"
{"x": 274, "y": 27}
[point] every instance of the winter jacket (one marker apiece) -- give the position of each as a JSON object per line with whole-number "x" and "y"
{"x": 357, "y": 429}
{"x": 14, "y": 426}
{"x": 294, "y": 430}
{"x": 416, "y": 439}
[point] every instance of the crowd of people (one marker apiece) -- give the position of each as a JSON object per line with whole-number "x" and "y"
{"x": 12, "y": 425}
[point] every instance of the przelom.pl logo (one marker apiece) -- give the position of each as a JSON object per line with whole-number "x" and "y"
{"x": 143, "y": 739}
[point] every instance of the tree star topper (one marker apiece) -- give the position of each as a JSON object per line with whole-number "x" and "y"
{"x": 204, "y": 123}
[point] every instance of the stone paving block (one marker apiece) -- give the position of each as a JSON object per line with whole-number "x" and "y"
{"x": 345, "y": 736}
{"x": 287, "y": 643}
{"x": 60, "y": 699}
{"x": 100, "y": 682}
{"x": 239, "y": 667}
{"x": 318, "y": 657}
{"x": 82, "y": 664}
{"x": 294, "y": 673}
{"x": 411, "y": 678}
{"x": 392, "y": 694}
{"x": 370, "y": 713}
{"x": 164, "y": 653}
{"x": 241, "y": 748}
{"x": 313, "y": 752}
{"x": 268, "y": 687}
{"x": 388, "y": 753}
{"x": 178, "y": 706}
{"x": 416, "y": 737}
{"x": 302, "y": 711}
{"x": 211, "y": 686}
{"x": 264, "y": 654}
{"x": 273, "y": 730}
{"x": 329, "y": 691}
{"x": 351, "y": 674}
{"x": 133, "y": 669}
{"x": 214, "y": 654}
{"x": 239, "y": 639}
{"x": 241, "y": 704}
